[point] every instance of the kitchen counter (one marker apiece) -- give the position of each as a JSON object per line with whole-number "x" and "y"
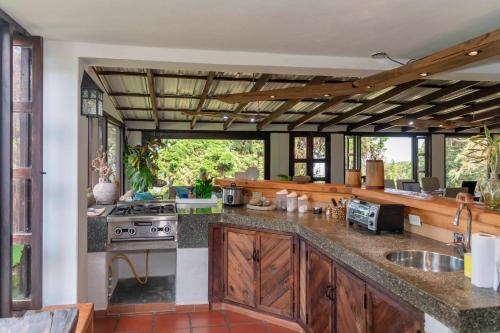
{"x": 448, "y": 297}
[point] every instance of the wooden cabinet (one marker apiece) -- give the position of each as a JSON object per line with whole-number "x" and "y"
{"x": 240, "y": 266}
{"x": 350, "y": 303}
{"x": 386, "y": 315}
{"x": 320, "y": 287}
{"x": 262, "y": 271}
{"x": 259, "y": 270}
{"x": 275, "y": 271}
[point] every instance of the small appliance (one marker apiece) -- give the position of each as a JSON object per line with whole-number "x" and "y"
{"x": 376, "y": 217}
{"x": 232, "y": 195}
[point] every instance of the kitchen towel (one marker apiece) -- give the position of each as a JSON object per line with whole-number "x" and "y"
{"x": 495, "y": 265}
{"x": 483, "y": 260}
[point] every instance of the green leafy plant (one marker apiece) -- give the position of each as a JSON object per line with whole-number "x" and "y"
{"x": 140, "y": 164}
{"x": 486, "y": 149}
{"x": 203, "y": 186}
{"x": 284, "y": 177}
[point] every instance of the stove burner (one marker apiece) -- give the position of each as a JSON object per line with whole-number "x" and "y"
{"x": 144, "y": 208}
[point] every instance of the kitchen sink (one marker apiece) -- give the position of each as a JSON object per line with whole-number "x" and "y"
{"x": 426, "y": 261}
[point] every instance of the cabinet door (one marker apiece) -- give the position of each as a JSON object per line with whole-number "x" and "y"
{"x": 239, "y": 268}
{"x": 302, "y": 285}
{"x": 351, "y": 312}
{"x": 319, "y": 280}
{"x": 276, "y": 283}
{"x": 382, "y": 311}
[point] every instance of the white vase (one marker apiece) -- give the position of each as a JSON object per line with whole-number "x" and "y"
{"x": 105, "y": 193}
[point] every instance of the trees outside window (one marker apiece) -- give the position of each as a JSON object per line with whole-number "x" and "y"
{"x": 458, "y": 166}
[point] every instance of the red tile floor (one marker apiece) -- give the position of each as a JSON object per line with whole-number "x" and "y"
{"x": 191, "y": 322}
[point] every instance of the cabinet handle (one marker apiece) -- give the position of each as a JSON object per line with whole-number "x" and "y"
{"x": 330, "y": 292}
{"x": 254, "y": 255}
{"x": 257, "y": 256}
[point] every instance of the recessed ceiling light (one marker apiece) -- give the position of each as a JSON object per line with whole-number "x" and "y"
{"x": 252, "y": 120}
{"x": 368, "y": 87}
{"x": 225, "y": 117}
{"x": 272, "y": 96}
{"x": 424, "y": 74}
{"x": 326, "y": 95}
{"x": 440, "y": 125}
{"x": 473, "y": 53}
{"x": 411, "y": 122}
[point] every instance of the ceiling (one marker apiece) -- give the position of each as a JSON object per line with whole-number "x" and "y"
{"x": 178, "y": 91}
{"x": 354, "y": 28}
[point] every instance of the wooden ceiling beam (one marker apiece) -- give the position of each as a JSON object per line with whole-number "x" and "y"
{"x": 258, "y": 85}
{"x": 204, "y": 94}
{"x": 479, "y": 124}
{"x": 152, "y": 96}
{"x": 371, "y": 103}
{"x": 317, "y": 80}
{"x": 318, "y": 110}
{"x": 424, "y": 100}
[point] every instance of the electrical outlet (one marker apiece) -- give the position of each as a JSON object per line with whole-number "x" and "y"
{"x": 414, "y": 220}
{"x": 458, "y": 237}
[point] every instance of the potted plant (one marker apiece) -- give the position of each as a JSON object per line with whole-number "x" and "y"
{"x": 141, "y": 167}
{"x": 105, "y": 192}
{"x": 203, "y": 185}
{"x": 487, "y": 149}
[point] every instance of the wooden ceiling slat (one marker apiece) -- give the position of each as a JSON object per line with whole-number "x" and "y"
{"x": 204, "y": 94}
{"x": 374, "y": 102}
{"x": 152, "y": 96}
{"x": 259, "y": 84}
{"x": 424, "y": 100}
{"x": 490, "y": 123}
{"x": 317, "y": 80}
{"x": 317, "y": 111}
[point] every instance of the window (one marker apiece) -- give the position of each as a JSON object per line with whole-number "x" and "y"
{"x": 311, "y": 153}
{"x": 222, "y": 155}
{"x": 404, "y": 157}
{"x": 114, "y": 148}
{"x": 457, "y": 166}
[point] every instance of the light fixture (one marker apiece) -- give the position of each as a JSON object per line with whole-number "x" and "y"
{"x": 473, "y": 53}
{"x": 440, "y": 125}
{"x": 272, "y": 96}
{"x": 225, "y": 117}
{"x": 424, "y": 74}
{"x": 368, "y": 87}
{"x": 326, "y": 95}
{"x": 411, "y": 122}
{"x": 91, "y": 97}
{"x": 252, "y": 120}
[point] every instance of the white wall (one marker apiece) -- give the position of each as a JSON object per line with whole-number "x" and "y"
{"x": 280, "y": 155}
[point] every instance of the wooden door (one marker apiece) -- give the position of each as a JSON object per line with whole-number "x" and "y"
{"x": 320, "y": 273}
{"x": 240, "y": 268}
{"x": 275, "y": 286}
{"x": 385, "y": 315}
{"x": 350, "y": 303}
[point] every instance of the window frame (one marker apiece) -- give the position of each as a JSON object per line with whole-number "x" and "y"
{"x": 309, "y": 160}
{"x": 414, "y": 147}
{"x": 216, "y": 135}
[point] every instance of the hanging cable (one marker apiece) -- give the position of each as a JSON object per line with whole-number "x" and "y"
{"x": 141, "y": 280}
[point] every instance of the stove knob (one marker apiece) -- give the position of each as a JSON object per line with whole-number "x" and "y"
{"x": 118, "y": 231}
{"x": 166, "y": 229}
{"x": 154, "y": 229}
{"x": 131, "y": 231}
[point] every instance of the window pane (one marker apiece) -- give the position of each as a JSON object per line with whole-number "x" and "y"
{"x": 21, "y": 259}
{"x": 319, "y": 147}
{"x": 459, "y": 167}
{"x": 394, "y": 151}
{"x": 300, "y": 148}
{"x": 113, "y": 150}
{"x": 300, "y": 169}
{"x": 21, "y": 204}
{"x": 21, "y": 140}
{"x": 21, "y": 74}
{"x": 319, "y": 170}
{"x": 421, "y": 163}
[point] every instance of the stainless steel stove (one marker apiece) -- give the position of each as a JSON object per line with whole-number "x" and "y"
{"x": 143, "y": 221}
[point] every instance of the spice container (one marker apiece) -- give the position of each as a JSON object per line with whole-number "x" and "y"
{"x": 303, "y": 204}
{"x": 291, "y": 202}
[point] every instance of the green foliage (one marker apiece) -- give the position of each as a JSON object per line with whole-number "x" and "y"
{"x": 374, "y": 148}
{"x": 180, "y": 160}
{"x": 284, "y": 177}
{"x": 460, "y": 166}
{"x": 141, "y": 166}
{"x": 203, "y": 185}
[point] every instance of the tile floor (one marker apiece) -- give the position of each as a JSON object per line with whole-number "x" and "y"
{"x": 192, "y": 322}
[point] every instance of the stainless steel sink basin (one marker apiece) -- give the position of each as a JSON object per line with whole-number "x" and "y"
{"x": 426, "y": 261}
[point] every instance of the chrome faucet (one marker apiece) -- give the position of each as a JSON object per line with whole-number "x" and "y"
{"x": 465, "y": 199}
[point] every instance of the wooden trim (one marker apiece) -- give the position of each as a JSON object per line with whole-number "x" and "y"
{"x": 204, "y": 94}
{"x": 5, "y": 169}
{"x": 317, "y": 111}
{"x": 309, "y": 160}
{"x": 152, "y": 95}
